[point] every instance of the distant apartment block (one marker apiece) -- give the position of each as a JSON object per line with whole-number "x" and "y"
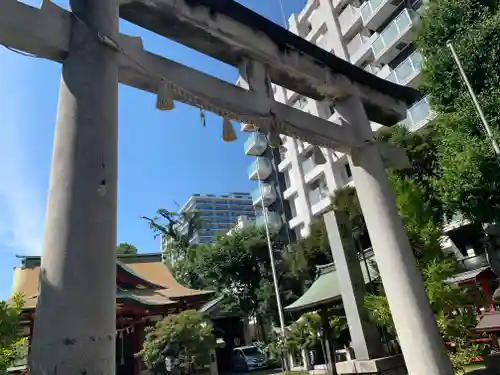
{"x": 218, "y": 213}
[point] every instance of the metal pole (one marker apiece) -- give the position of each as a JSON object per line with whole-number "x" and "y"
{"x": 474, "y": 100}
{"x": 273, "y": 266}
{"x": 75, "y": 325}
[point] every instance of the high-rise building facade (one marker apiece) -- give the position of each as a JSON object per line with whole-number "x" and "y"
{"x": 218, "y": 213}
{"x": 375, "y": 35}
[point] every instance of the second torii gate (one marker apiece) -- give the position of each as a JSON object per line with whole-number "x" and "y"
{"x": 74, "y": 333}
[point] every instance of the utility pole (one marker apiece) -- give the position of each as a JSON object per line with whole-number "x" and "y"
{"x": 475, "y": 101}
{"x": 75, "y": 328}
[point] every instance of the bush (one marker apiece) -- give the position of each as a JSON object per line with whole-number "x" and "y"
{"x": 185, "y": 337}
{"x": 11, "y": 343}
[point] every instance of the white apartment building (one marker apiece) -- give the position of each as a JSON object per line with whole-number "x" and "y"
{"x": 375, "y": 35}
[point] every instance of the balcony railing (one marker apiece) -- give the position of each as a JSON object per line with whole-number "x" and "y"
{"x": 394, "y": 30}
{"x": 261, "y": 167}
{"x": 268, "y": 193}
{"x": 418, "y": 114}
{"x": 256, "y": 144}
{"x": 360, "y": 47}
{"x": 273, "y": 218}
{"x": 407, "y": 69}
{"x": 369, "y": 8}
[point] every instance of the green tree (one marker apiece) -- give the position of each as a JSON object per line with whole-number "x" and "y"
{"x": 125, "y": 249}
{"x": 168, "y": 224}
{"x": 307, "y": 254}
{"x": 303, "y": 333}
{"x": 11, "y": 343}
{"x": 183, "y": 257}
{"x": 238, "y": 266}
{"x": 185, "y": 336}
{"x": 469, "y": 183}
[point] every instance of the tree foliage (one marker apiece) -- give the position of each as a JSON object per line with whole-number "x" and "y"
{"x": 469, "y": 183}
{"x": 185, "y": 336}
{"x": 11, "y": 343}
{"x": 308, "y": 253}
{"x": 125, "y": 249}
{"x": 175, "y": 229}
{"x": 303, "y": 334}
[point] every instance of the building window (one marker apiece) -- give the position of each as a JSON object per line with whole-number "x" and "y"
{"x": 318, "y": 190}
{"x": 308, "y": 162}
{"x": 309, "y": 28}
{"x": 348, "y": 172}
{"x": 293, "y": 206}
{"x": 299, "y": 102}
{"x": 330, "y": 110}
{"x": 287, "y": 177}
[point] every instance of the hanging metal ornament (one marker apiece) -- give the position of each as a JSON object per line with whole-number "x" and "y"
{"x": 203, "y": 118}
{"x": 165, "y": 97}
{"x": 317, "y": 156}
{"x": 228, "y": 133}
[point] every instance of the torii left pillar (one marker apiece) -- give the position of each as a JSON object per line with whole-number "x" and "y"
{"x": 74, "y": 332}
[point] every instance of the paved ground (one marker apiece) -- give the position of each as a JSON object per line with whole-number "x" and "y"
{"x": 275, "y": 371}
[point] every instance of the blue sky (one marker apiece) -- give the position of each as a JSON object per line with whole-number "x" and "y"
{"x": 163, "y": 156}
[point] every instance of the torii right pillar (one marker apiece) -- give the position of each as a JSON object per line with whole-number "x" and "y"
{"x": 421, "y": 343}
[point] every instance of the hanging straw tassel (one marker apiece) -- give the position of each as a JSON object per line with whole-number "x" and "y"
{"x": 165, "y": 98}
{"x": 274, "y": 140}
{"x": 228, "y": 134}
{"x": 318, "y": 156}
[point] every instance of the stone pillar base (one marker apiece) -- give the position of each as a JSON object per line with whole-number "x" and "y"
{"x": 394, "y": 365}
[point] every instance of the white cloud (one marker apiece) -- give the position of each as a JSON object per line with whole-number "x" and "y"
{"x": 22, "y": 202}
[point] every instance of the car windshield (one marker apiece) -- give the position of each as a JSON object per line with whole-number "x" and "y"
{"x": 251, "y": 351}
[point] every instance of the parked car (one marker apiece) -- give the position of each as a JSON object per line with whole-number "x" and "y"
{"x": 248, "y": 358}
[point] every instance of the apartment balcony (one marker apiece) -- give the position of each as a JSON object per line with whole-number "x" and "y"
{"x": 395, "y": 37}
{"x": 360, "y": 48}
{"x": 373, "y": 69}
{"x": 248, "y": 127}
{"x": 408, "y": 72}
{"x": 268, "y": 193}
{"x": 375, "y": 12}
{"x": 260, "y": 169}
{"x": 350, "y": 21}
{"x": 418, "y": 115}
{"x": 256, "y": 144}
{"x": 318, "y": 26}
{"x": 337, "y": 4}
{"x": 295, "y": 222}
{"x": 273, "y": 219}
{"x": 308, "y": 9}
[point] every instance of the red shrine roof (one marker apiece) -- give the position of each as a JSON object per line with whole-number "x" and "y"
{"x": 142, "y": 279}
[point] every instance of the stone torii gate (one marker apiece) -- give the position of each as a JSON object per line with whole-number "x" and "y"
{"x": 75, "y": 329}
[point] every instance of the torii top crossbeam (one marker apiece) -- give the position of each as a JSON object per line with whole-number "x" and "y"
{"x": 230, "y": 32}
